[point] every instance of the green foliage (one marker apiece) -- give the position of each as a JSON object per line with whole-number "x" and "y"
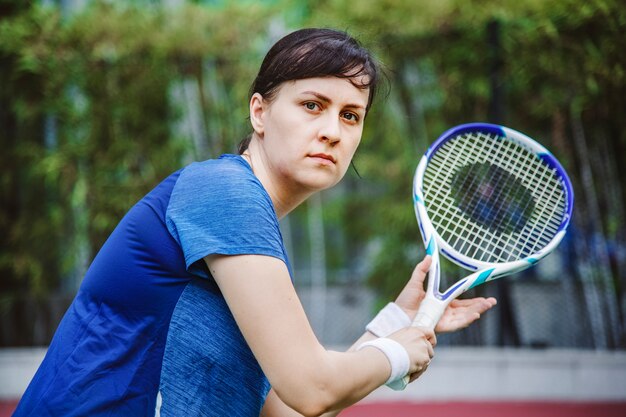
{"x": 92, "y": 109}
{"x": 552, "y": 57}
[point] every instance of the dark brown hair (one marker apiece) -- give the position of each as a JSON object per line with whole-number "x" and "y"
{"x": 312, "y": 52}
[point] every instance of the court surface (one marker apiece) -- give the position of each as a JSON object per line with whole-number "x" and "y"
{"x": 487, "y": 409}
{"x": 462, "y": 409}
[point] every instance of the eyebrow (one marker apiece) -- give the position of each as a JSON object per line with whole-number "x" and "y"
{"x": 325, "y": 99}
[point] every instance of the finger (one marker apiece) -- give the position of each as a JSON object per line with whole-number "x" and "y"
{"x": 431, "y": 350}
{"x": 413, "y": 292}
{"x": 484, "y": 304}
{"x": 491, "y": 301}
{"x": 479, "y": 305}
{"x": 416, "y": 375}
{"x": 429, "y": 334}
{"x": 433, "y": 340}
{"x": 419, "y": 373}
{"x": 462, "y": 302}
{"x": 423, "y": 267}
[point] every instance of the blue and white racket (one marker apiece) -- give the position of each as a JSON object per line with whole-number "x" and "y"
{"x": 493, "y": 201}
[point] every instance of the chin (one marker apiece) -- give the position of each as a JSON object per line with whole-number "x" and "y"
{"x": 320, "y": 184}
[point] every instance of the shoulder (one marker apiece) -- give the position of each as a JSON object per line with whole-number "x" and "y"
{"x": 220, "y": 207}
{"x": 228, "y": 178}
{"x": 216, "y": 187}
{"x": 224, "y": 170}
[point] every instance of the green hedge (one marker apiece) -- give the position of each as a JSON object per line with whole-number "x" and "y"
{"x": 91, "y": 106}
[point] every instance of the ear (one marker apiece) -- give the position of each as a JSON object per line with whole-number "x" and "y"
{"x": 257, "y": 109}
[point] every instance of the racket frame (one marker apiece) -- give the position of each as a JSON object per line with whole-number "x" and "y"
{"x": 435, "y": 302}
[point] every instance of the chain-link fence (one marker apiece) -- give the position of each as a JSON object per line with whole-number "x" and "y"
{"x": 544, "y": 307}
{"x": 550, "y": 305}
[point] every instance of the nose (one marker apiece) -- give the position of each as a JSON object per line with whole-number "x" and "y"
{"x": 331, "y": 130}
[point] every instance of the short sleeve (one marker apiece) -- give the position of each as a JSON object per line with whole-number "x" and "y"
{"x": 220, "y": 207}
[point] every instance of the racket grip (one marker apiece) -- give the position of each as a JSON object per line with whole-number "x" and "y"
{"x": 425, "y": 320}
{"x": 399, "y": 384}
{"x": 428, "y": 315}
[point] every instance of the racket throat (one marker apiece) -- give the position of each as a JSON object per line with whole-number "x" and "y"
{"x": 429, "y": 313}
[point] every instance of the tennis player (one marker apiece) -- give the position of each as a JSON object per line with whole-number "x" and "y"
{"x": 188, "y": 309}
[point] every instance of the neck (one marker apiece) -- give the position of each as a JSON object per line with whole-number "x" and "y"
{"x": 284, "y": 195}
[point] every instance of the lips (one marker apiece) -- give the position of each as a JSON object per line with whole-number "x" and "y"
{"x": 323, "y": 156}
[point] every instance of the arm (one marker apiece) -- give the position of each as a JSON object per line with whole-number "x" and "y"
{"x": 275, "y": 407}
{"x": 304, "y": 375}
{"x": 460, "y": 314}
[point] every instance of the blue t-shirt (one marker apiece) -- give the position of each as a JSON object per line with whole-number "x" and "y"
{"x": 149, "y": 332}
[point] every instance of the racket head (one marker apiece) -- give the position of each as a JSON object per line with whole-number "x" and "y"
{"x": 491, "y": 198}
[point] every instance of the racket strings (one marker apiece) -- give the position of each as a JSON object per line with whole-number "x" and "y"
{"x": 494, "y": 188}
{"x": 531, "y": 165}
{"x": 539, "y": 233}
{"x": 472, "y": 246}
{"x": 507, "y": 205}
{"x": 492, "y": 212}
{"x": 470, "y": 188}
{"x": 497, "y": 220}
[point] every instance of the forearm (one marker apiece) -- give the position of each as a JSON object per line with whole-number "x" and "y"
{"x": 274, "y": 406}
{"x": 330, "y": 381}
{"x": 367, "y": 336}
{"x": 306, "y": 376}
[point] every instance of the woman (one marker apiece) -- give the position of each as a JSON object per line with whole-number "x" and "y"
{"x": 189, "y": 309}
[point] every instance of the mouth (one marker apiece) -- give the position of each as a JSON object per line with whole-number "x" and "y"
{"x": 323, "y": 156}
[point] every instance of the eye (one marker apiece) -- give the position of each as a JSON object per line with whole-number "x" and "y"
{"x": 311, "y": 105}
{"x": 351, "y": 117}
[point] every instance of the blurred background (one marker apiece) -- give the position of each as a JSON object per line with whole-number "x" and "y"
{"x": 100, "y": 100}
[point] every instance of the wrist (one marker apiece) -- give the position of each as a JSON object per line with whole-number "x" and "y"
{"x": 396, "y": 355}
{"x": 388, "y": 320}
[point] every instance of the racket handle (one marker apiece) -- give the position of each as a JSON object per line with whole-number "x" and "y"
{"x": 399, "y": 384}
{"x": 428, "y": 315}
{"x": 425, "y": 320}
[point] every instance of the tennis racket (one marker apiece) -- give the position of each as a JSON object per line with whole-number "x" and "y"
{"x": 491, "y": 200}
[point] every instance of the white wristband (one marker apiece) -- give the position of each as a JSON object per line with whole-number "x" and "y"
{"x": 396, "y": 354}
{"x": 388, "y": 320}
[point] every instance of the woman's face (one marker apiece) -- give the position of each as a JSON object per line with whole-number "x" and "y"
{"x": 310, "y": 130}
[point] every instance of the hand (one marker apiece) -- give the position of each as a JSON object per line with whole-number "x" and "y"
{"x": 461, "y": 313}
{"x": 458, "y": 315}
{"x": 419, "y": 343}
